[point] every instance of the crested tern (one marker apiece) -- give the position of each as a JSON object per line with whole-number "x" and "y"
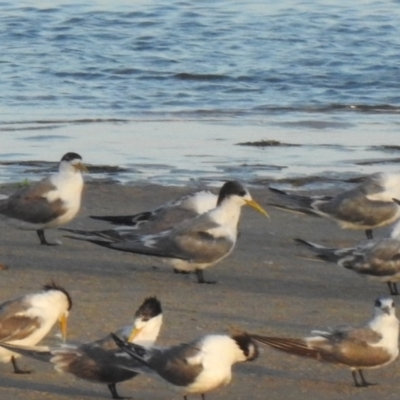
{"x": 378, "y": 259}
{"x": 99, "y": 361}
{"x": 368, "y": 206}
{"x": 167, "y": 216}
{"x": 373, "y": 346}
{"x": 197, "y": 367}
{"x": 49, "y": 203}
{"x": 195, "y": 244}
{"x": 26, "y": 320}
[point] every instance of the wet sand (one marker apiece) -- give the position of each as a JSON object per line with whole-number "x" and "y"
{"x": 264, "y": 286}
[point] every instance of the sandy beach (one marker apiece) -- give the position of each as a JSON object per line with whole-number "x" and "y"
{"x": 265, "y": 286}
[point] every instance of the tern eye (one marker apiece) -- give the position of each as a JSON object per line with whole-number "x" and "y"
{"x": 378, "y": 303}
{"x": 393, "y": 304}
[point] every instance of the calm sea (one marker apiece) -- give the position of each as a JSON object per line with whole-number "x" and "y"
{"x": 166, "y": 89}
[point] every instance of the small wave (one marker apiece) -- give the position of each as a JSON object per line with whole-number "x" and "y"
{"x": 202, "y": 114}
{"x": 368, "y": 108}
{"x": 200, "y": 77}
{"x": 61, "y": 121}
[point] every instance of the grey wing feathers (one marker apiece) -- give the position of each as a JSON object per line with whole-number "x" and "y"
{"x": 40, "y": 353}
{"x": 191, "y": 243}
{"x": 91, "y": 362}
{"x": 176, "y": 364}
{"x": 330, "y": 254}
{"x": 359, "y": 334}
{"x": 324, "y": 253}
{"x": 201, "y": 247}
{"x": 141, "y": 248}
{"x": 29, "y": 204}
{"x": 134, "y": 220}
{"x": 293, "y": 346}
{"x": 170, "y": 363}
{"x": 13, "y": 324}
{"x": 358, "y": 210}
{"x": 381, "y": 258}
{"x": 298, "y": 203}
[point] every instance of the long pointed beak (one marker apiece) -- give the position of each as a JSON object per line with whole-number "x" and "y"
{"x": 256, "y": 206}
{"x": 134, "y": 333}
{"x": 63, "y": 326}
{"x": 81, "y": 167}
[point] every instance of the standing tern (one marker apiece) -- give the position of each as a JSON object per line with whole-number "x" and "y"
{"x": 99, "y": 361}
{"x": 197, "y": 367}
{"x": 26, "y": 320}
{"x": 49, "y": 203}
{"x": 368, "y": 206}
{"x": 166, "y": 216}
{"x": 195, "y": 244}
{"x": 377, "y": 259}
{"x": 372, "y": 346}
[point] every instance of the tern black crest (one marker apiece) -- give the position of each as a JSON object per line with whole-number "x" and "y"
{"x": 53, "y": 286}
{"x": 150, "y": 308}
{"x": 246, "y": 344}
{"x": 71, "y": 156}
{"x": 231, "y": 188}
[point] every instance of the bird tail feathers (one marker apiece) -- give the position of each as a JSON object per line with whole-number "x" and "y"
{"x": 293, "y": 346}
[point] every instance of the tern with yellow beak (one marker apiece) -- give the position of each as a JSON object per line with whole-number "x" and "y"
{"x": 26, "y": 320}
{"x": 195, "y": 244}
{"x": 101, "y": 361}
{"x": 374, "y": 345}
{"x": 49, "y": 203}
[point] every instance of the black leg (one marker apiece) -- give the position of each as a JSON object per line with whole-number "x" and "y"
{"x": 393, "y": 288}
{"x": 185, "y": 397}
{"x": 40, "y": 233}
{"x": 395, "y": 291}
{"x": 364, "y": 383}
{"x": 200, "y": 277}
{"x": 390, "y": 287}
{"x": 368, "y": 233}
{"x": 18, "y": 370}
{"x": 354, "y": 375}
{"x": 203, "y": 396}
{"x": 113, "y": 389}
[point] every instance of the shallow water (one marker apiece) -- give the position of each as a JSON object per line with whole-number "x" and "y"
{"x": 166, "y": 90}
{"x": 180, "y": 152}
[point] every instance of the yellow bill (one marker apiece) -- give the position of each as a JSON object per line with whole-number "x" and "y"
{"x": 63, "y": 326}
{"x": 81, "y": 167}
{"x": 134, "y": 333}
{"x": 252, "y": 203}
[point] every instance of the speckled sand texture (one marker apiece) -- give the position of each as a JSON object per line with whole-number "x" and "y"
{"x": 263, "y": 286}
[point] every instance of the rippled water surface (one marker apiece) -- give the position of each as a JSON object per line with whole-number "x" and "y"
{"x": 166, "y": 89}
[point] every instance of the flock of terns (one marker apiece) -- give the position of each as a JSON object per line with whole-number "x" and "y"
{"x": 191, "y": 234}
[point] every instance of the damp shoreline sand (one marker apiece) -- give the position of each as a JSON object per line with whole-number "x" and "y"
{"x": 264, "y": 286}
